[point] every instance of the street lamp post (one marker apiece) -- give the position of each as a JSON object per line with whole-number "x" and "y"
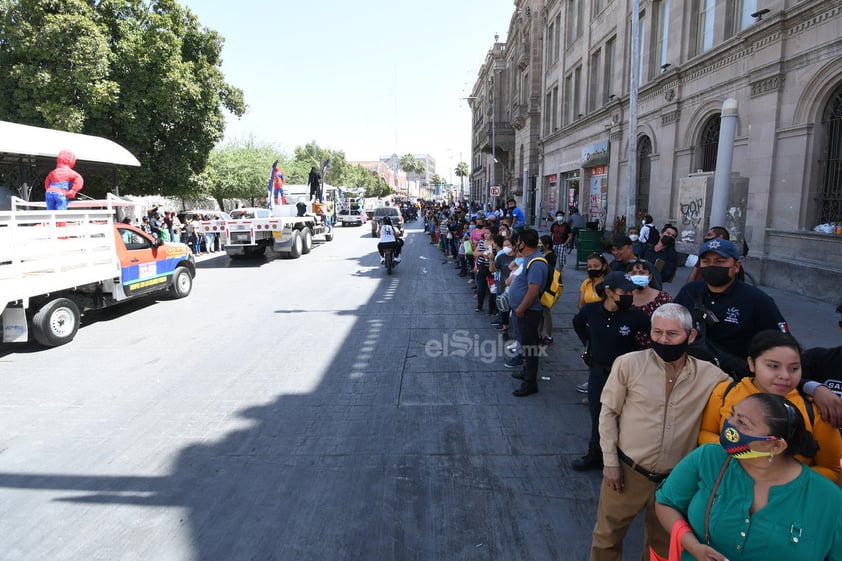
{"x": 493, "y": 146}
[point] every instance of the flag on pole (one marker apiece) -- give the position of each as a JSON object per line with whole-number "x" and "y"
{"x": 269, "y": 197}
{"x": 321, "y": 187}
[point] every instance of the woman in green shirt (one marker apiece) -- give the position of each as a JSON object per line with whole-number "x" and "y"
{"x": 768, "y": 505}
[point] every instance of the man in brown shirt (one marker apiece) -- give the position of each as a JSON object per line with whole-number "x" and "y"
{"x": 651, "y": 412}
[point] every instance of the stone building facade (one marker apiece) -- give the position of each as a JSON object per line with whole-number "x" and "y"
{"x": 780, "y": 61}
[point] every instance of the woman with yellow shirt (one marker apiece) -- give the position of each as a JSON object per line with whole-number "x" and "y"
{"x": 775, "y": 360}
{"x": 597, "y": 269}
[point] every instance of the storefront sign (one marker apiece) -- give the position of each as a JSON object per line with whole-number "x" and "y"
{"x": 595, "y": 154}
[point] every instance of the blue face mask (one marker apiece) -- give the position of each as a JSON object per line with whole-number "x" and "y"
{"x": 471, "y": 227}
{"x": 640, "y": 280}
{"x": 737, "y": 444}
{"x": 519, "y": 261}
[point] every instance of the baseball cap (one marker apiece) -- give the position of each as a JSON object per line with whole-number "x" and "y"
{"x": 725, "y": 248}
{"x": 618, "y": 279}
{"x": 620, "y": 241}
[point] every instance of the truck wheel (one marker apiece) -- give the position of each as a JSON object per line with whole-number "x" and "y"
{"x": 307, "y": 239}
{"x": 296, "y": 245}
{"x": 56, "y": 323}
{"x": 182, "y": 283}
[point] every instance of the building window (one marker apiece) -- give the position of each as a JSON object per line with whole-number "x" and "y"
{"x": 557, "y": 39}
{"x": 574, "y": 20}
{"x": 577, "y": 89}
{"x": 739, "y": 15}
{"x": 608, "y": 66}
{"x": 710, "y": 144}
{"x": 555, "y": 109}
{"x": 704, "y": 25}
{"x": 551, "y": 43}
{"x": 568, "y": 97}
{"x": 641, "y": 46}
{"x": 644, "y": 174}
{"x": 660, "y": 28}
{"x": 594, "y": 81}
{"x": 598, "y": 6}
{"x": 548, "y": 109}
{"x": 830, "y": 191}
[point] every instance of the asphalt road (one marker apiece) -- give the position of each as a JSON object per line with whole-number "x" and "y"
{"x": 304, "y": 409}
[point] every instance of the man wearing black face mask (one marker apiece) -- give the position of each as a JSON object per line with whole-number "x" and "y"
{"x": 726, "y": 311}
{"x": 663, "y": 254}
{"x": 611, "y": 327}
{"x": 652, "y": 407}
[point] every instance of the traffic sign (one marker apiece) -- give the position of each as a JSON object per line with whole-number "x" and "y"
{"x": 495, "y": 190}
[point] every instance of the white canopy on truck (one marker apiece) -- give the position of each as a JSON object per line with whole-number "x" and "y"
{"x": 23, "y": 140}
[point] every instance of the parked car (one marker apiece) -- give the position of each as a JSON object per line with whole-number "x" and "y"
{"x": 383, "y": 211}
{"x": 352, "y": 217}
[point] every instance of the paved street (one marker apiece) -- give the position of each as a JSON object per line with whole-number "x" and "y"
{"x": 304, "y": 409}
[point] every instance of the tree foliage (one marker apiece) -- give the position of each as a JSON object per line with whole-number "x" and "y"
{"x": 239, "y": 171}
{"x": 142, "y": 73}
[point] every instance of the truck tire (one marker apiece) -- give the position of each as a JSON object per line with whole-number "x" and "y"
{"x": 182, "y": 283}
{"x": 296, "y": 246}
{"x": 56, "y": 323}
{"x": 307, "y": 239}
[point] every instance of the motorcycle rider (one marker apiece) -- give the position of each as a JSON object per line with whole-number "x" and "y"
{"x": 389, "y": 237}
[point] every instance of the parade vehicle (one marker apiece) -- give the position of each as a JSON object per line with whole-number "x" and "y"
{"x": 56, "y": 264}
{"x": 289, "y": 230}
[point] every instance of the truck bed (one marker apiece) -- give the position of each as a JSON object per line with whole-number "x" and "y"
{"x": 44, "y": 252}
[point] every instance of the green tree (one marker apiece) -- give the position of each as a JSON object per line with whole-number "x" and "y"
{"x": 239, "y": 171}
{"x": 339, "y": 172}
{"x": 143, "y": 73}
{"x": 410, "y": 164}
{"x": 462, "y": 171}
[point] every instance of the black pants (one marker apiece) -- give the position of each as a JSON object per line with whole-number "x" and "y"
{"x": 527, "y": 328}
{"x": 596, "y": 382}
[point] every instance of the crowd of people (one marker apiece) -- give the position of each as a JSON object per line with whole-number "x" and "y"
{"x": 678, "y": 386}
{"x": 167, "y": 226}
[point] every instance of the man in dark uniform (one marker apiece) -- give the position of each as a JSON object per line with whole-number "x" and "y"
{"x": 611, "y": 326}
{"x": 728, "y": 312}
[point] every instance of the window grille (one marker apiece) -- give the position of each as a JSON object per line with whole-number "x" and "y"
{"x": 830, "y": 191}
{"x": 710, "y": 144}
{"x": 644, "y": 173}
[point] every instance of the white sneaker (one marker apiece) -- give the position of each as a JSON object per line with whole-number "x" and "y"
{"x": 397, "y": 259}
{"x": 382, "y": 260}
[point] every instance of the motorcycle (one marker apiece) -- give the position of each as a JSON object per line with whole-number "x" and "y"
{"x": 389, "y": 259}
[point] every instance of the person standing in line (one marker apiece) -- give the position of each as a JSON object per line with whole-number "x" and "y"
{"x": 518, "y": 218}
{"x": 662, "y": 254}
{"x": 651, "y": 411}
{"x": 610, "y": 327}
{"x": 560, "y": 232}
{"x": 63, "y": 182}
{"x": 648, "y": 233}
{"x": 546, "y": 247}
{"x": 525, "y": 298}
{"x": 748, "y": 498}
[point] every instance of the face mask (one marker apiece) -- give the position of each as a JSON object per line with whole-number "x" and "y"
{"x": 559, "y": 219}
{"x": 519, "y": 261}
{"x": 471, "y": 227}
{"x": 670, "y": 353}
{"x": 736, "y": 443}
{"x": 668, "y": 241}
{"x": 593, "y": 273}
{"x": 640, "y": 280}
{"x": 506, "y": 250}
{"x": 715, "y": 276}
{"x": 625, "y": 302}
{"x": 634, "y": 237}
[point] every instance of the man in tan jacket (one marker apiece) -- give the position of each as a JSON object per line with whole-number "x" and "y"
{"x": 651, "y": 412}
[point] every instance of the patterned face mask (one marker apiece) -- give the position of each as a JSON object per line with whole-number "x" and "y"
{"x": 736, "y": 444}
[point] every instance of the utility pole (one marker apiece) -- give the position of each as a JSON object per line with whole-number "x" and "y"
{"x": 493, "y": 144}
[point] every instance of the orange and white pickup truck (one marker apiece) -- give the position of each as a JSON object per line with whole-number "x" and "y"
{"x": 54, "y": 265}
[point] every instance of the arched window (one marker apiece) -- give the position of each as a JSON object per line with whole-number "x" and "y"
{"x": 644, "y": 173}
{"x": 710, "y": 144}
{"x": 830, "y": 191}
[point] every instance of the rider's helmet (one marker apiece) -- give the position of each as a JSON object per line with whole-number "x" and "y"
{"x": 387, "y": 220}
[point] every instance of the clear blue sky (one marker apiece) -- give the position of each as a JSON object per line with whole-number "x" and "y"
{"x": 368, "y": 77}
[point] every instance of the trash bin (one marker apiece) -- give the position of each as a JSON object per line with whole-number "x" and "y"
{"x": 590, "y": 241}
